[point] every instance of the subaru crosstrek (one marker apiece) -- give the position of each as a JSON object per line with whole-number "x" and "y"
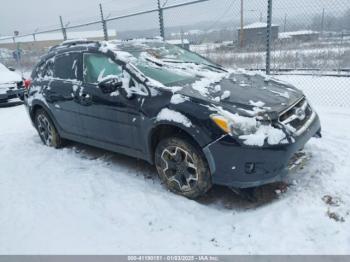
{"x": 199, "y": 123}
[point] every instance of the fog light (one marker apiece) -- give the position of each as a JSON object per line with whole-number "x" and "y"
{"x": 250, "y": 168}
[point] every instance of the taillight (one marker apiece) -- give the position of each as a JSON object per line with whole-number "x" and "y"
{"x": 27, "y": 83}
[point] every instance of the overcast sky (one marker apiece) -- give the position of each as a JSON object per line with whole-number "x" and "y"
{"x": 27, "y": 15}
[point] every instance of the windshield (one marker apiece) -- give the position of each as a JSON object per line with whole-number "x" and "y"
{"x": 168, "y": 64}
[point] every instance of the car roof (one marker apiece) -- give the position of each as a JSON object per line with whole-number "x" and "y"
{"x": 81, "y": 45}
{"x": 70, "y": 46}
{"x": 73, "y": 46}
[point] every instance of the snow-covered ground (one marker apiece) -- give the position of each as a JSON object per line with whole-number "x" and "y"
{"x": 84, "y": 200}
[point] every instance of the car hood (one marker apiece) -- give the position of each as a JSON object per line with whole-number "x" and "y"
{"x": 7, "y": 76}
{"x": 248, "y": 94}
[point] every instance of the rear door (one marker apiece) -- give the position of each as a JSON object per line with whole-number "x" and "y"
{"x": 62, "y": 90}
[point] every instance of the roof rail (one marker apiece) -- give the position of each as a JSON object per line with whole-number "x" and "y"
{"x": 73, "y": 42}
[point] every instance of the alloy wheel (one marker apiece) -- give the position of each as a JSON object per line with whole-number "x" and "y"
{"x": 179, "y": 167}
{"x": 45, "y": 129}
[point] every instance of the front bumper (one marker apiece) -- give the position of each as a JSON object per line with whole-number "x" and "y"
{"x": 11, "y": 94}
{"x": 240, "y": 166}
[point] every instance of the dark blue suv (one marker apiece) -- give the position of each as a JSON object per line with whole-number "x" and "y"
{"x": 200, "y": 124}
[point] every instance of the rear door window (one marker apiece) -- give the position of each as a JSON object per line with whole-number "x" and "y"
{"x": 67, "y": 66}
{"x": 98, "y": 66}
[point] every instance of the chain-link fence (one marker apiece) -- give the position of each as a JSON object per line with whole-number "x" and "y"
{"x": 313, "y": 48}
{"x": 309, "y": 40}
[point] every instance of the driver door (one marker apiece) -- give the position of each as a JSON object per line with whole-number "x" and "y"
{"x": 109, "y": 119}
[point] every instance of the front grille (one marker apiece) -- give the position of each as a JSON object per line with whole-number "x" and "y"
{"x": 297, "y": 116}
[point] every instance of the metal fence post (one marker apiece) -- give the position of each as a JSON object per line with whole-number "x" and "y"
{"x": 104, "y": 24}
{"x": 64, "y": 32}
{"x": 161, "y": 20}
{"x": 268, "y": 37}
{"x": 241, "y": 33}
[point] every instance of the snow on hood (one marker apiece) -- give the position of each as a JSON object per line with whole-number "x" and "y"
{"x": 207, "y": 81}
{"x": 239, "y": 95}
{"x": 7, "y": 76}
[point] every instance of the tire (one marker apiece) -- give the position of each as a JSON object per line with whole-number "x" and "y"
{"x": 47, "y": 130}
{"x": 182, "y": 167}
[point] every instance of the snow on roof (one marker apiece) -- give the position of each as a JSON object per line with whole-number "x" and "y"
{"x": 258, "y": 25}
{"x": 59, "y": 36}
{"x": 297, "y": 33}
{"x": 7, "y": 76}
{"x": 178, "y": 41}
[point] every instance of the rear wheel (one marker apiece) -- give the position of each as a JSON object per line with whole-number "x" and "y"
{"x": 182, "y": 167}
{"x": 46, "y": 129}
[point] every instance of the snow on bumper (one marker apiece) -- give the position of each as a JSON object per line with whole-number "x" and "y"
{"x": 241, "y": 166}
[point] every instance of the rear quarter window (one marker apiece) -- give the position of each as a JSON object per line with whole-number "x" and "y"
{"x": 45, "y": 69}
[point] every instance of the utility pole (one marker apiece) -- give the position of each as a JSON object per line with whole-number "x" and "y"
{"x": 322, "y": 21}
{"x": 285, "y": 23}
{"x": 268, "y": 38}
{"x": 64, "y": 32}
{"x": 241, "y": 36}
{"x": 161, "y": 20}
{"x": 104, "y": 24}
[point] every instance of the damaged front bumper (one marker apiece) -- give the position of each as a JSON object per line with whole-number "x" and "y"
{"x": 234, "y": 165}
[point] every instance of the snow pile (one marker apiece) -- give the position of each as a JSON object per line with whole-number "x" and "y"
{"x": 170, "y": 115}
{"x": 256, "y": 104}
{"x": 271, "y": 135}
{"x": 119, "y": 54}
{"x": 284, "y": 94}
{"x": 225, "y": 95}
{"x": 208, "y": 78}
{"x": 178, "y": 99}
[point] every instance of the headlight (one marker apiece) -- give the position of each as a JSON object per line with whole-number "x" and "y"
{"x": 236, "y": 125}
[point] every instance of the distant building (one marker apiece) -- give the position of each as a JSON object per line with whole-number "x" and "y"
{"x": 256, "y": 33}
{"x": 303, "y": 35}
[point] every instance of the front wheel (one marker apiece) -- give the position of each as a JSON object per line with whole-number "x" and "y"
{"x": 182, "y": 167}
{"x": 46, "y": 129}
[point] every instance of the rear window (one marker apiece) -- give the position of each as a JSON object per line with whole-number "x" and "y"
{"x": 66, "y": 66}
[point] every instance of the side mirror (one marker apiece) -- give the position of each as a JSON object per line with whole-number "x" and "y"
{"x": 110, "y": 85}
{"x": 11, "y": 69}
